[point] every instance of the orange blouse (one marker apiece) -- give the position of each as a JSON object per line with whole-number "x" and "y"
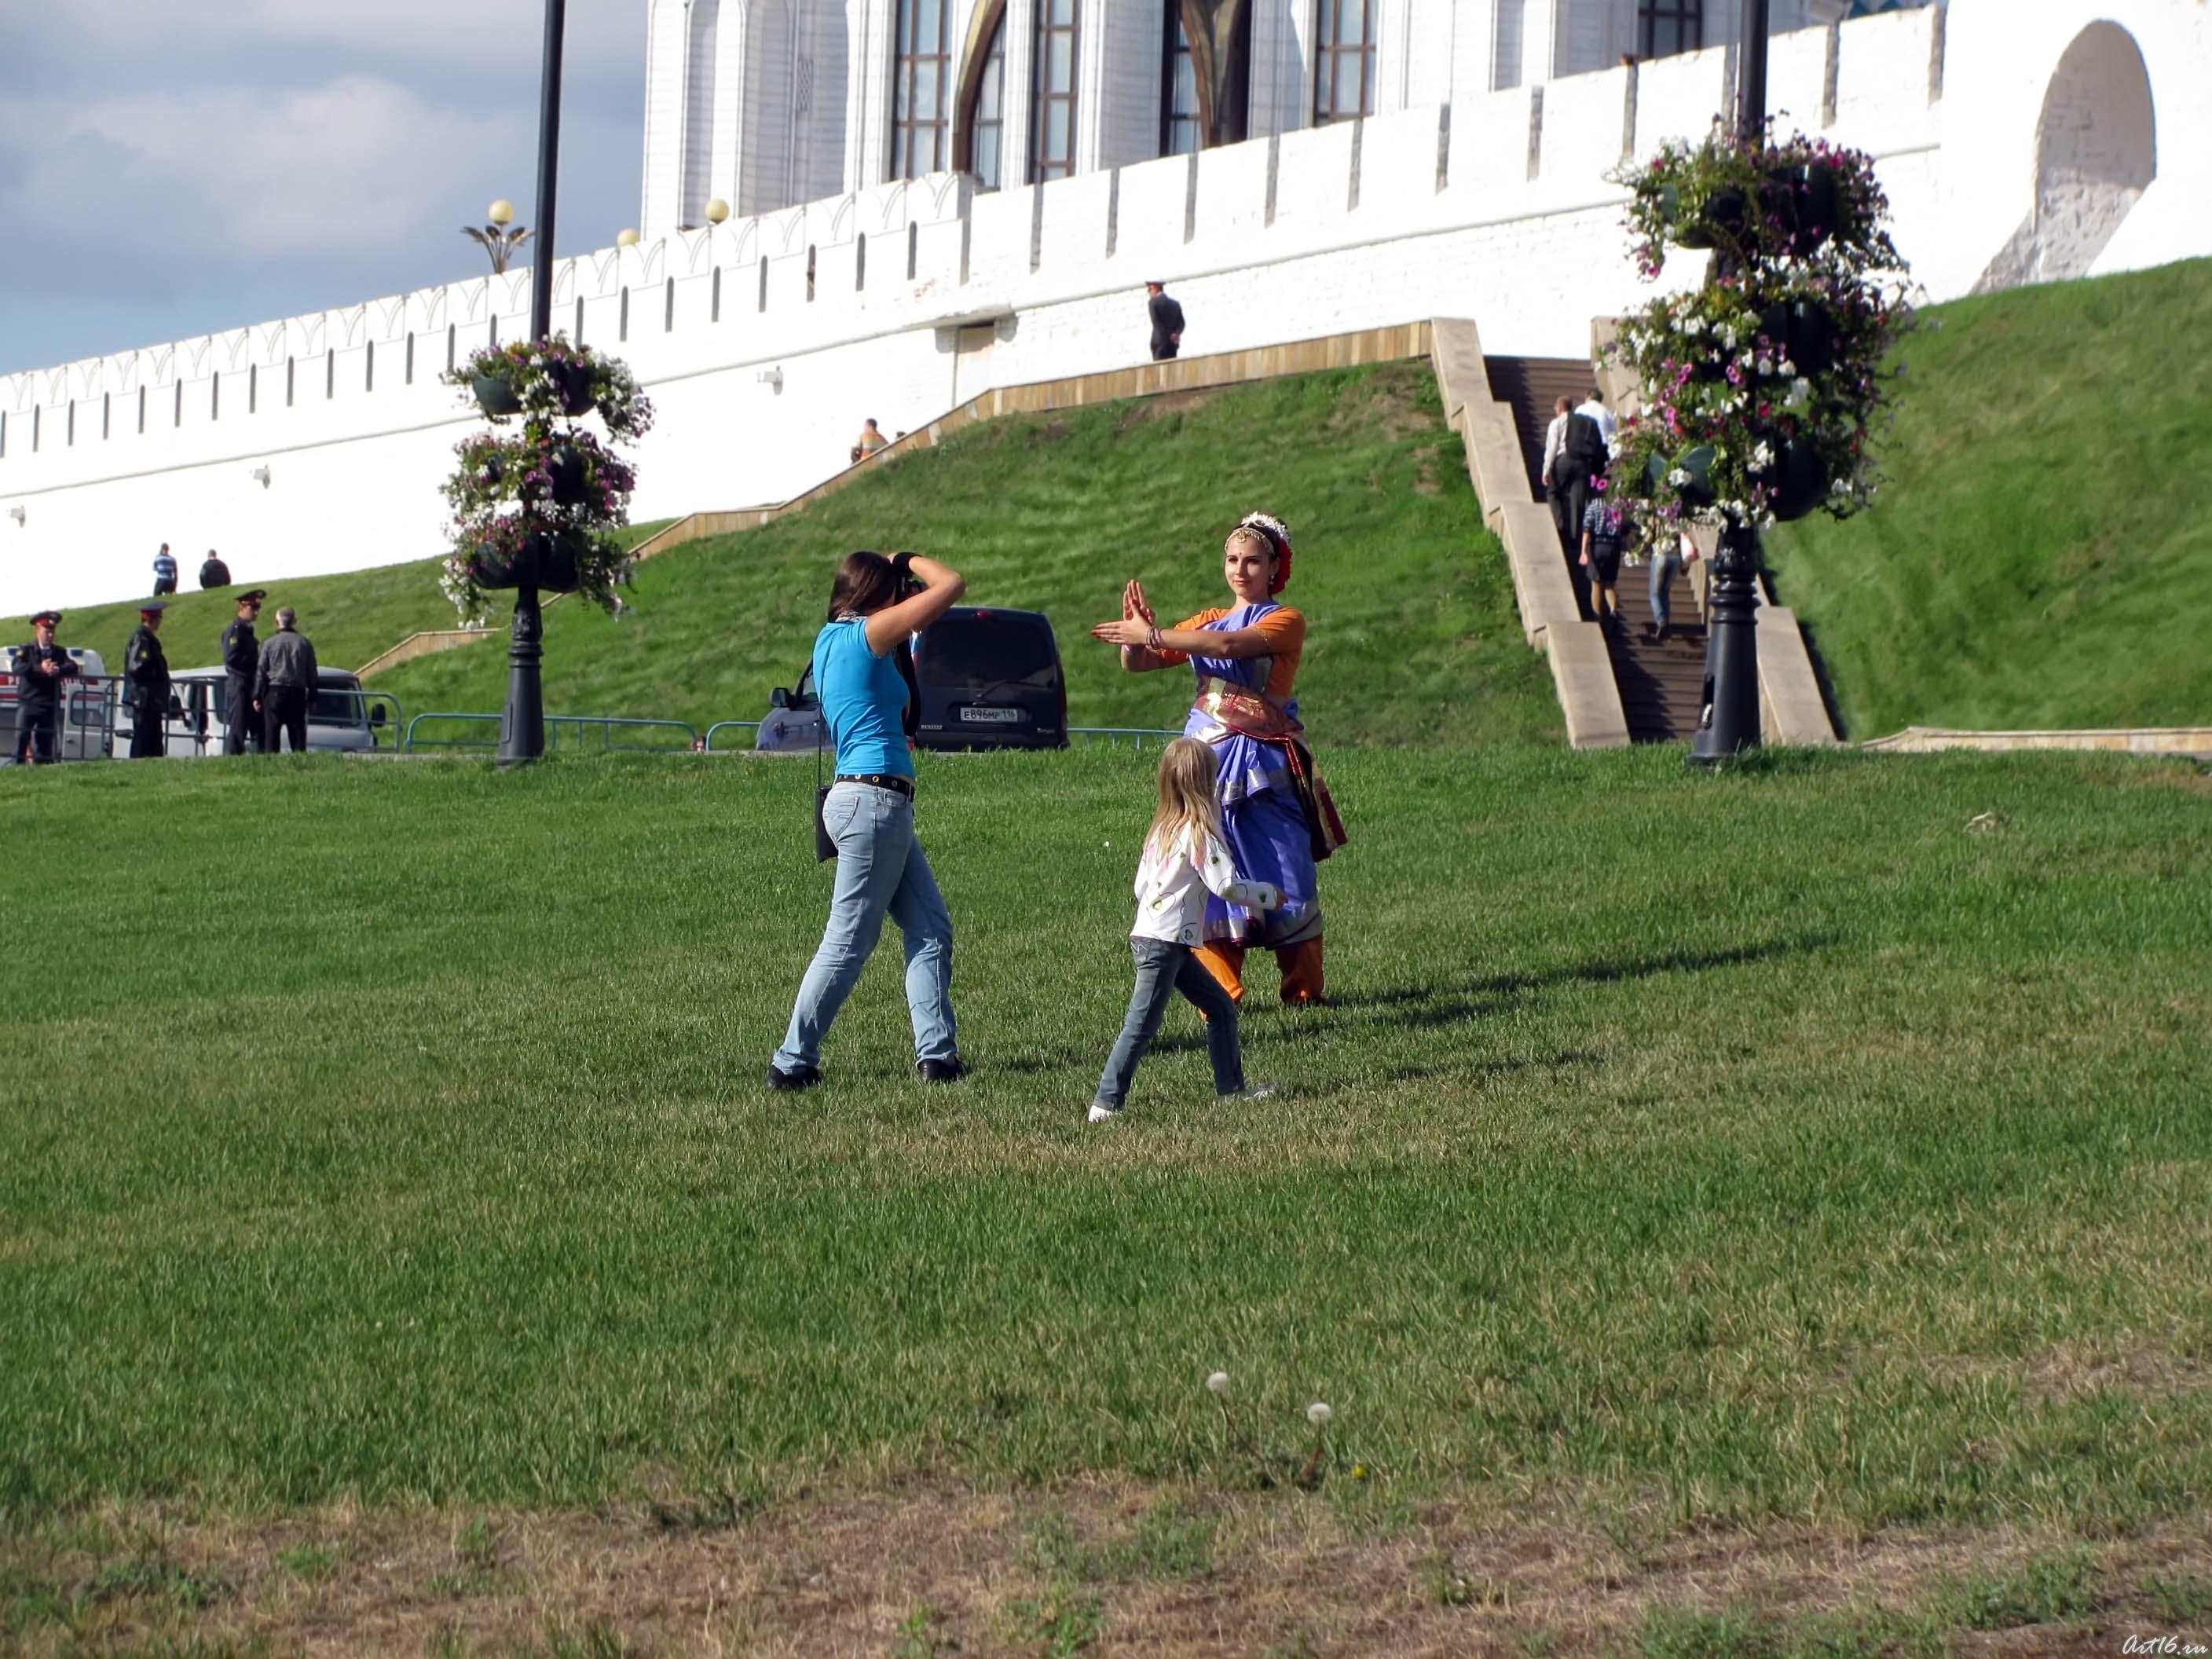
{"x": 1284, "y": 630}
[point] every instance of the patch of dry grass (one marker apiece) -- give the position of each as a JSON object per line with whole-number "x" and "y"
{"x": 930, "y": 1570}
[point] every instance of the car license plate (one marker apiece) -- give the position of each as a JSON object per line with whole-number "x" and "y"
{"x": 978, "y": 715}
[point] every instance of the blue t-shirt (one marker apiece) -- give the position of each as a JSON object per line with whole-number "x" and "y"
{"x": 863, "y": 699}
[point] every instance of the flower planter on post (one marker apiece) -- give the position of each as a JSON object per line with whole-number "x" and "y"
{"x": 538, "y": 498}
{"x": 1760, "y": 388}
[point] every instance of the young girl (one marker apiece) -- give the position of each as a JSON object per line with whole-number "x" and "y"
{"x": 1183, "y": 860}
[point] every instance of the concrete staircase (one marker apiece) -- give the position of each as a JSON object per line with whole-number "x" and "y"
{"x": 1662, "y": 682}
{"x": 1662, "y": 685}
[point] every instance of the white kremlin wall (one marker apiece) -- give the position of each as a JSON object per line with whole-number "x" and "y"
{"x": 2006, "y": 136}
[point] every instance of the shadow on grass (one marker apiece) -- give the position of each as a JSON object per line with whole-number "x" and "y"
{"x": 1430, "y": 1005}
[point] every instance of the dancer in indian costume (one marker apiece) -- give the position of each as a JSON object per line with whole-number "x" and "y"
{"x": 1276, "y": 810}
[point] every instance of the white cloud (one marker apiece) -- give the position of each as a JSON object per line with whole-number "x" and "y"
{"x": 348, "y": 168}
{"x": 500, "y": 39}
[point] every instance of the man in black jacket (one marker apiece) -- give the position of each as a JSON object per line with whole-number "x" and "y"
{"x": 285, "y": 687}
{"x": 1167, "y": 322}
{"x": 146, "y": 686}
{"x": 213, "y": 572}
{"x": 40, "y": 668}
{"x": 241, "y": 663}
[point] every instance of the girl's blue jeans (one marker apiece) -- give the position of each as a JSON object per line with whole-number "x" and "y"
{"x": 1163, "y": 969}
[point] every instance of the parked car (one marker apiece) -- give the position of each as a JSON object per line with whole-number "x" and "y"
{"x": 85, "y": 733}
{"x": 793, "y": 723}
{"x": 990, "y": 679}
{"x": 342, "y": 720}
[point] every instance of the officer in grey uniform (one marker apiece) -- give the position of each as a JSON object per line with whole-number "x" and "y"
{"x": 241, "y": 663}
{"x": 146, "y": 685}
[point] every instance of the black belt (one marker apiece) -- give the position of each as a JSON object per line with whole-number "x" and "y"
{"x": 897, "y": 786}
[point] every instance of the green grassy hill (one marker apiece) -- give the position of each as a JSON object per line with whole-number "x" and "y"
{"x": 2041, "y": 554}
{"x": 350, "y": 618}
{"x": 1415, "y": 636}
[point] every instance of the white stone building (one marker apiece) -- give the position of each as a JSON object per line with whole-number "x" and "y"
{"x": 2018, "y": 140}
{"x": 764, "y": 104}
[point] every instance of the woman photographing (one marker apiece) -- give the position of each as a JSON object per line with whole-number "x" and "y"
{"x": 1276, "y": 811}
{"x": 868, "y": 813}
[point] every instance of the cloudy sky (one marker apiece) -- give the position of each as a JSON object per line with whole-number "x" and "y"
{"x": 172, "y": 167}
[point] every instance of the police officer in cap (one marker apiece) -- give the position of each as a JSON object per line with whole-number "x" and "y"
{"x": 146, "y": 685}
{"x": 40, "y": 668}
{"x": 242, "y": 661}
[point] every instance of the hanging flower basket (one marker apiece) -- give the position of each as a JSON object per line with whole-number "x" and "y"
{"x": 1801, "y": 332}
{"x": 568, "y": 475}
{"x": 1800, "y": 201}
{"x": 1718, "y": 223}
{"x": 1797, "y": 483}
{"x": 549, "y": 561}
{"x": 1689, "y": 474}
{"x": 573, "y": 382}
{"x": 496, "y": 395}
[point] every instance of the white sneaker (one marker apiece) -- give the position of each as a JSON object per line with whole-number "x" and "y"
{"x": 1102, "y": 1114}
{"x": 1256, "y": 1092}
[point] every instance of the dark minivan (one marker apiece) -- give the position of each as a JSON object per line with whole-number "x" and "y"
{"x": 990, "y": 679}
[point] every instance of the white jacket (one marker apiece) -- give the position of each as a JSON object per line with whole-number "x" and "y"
{"x": 1171, "y": 891}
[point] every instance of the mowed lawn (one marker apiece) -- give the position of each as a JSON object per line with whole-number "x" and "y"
{"x": 1824, "y": 1145}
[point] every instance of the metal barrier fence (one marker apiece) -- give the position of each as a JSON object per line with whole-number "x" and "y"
{"x": 728, "y": 726}
{"x": 576, "y": 725}
{"x": 1113, "y": 734}
{"x": 605, "y": 725}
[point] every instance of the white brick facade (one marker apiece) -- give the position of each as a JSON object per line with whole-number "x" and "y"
{"x": 2072, "y": 136}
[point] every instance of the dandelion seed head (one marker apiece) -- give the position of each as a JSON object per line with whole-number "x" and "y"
{"x": 1318, "y": 1415}
{"x": 1218, "y": 1383}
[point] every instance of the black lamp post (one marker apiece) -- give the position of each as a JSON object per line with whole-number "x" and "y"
{"x": 1729, "y": 724}
{"x": 522, "y": 723}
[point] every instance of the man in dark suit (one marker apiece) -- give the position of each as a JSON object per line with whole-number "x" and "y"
{"x": 1167, "y": 322}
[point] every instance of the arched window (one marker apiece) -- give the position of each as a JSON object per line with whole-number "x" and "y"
{"x": 1344, "y": 61}
{"x": 1181, "y": 130}
{"x": 987, "y": 116}
{"x": 1052, "y": 134}
{"x": 1664, "y": 28}
{"x": 922, "y": 98}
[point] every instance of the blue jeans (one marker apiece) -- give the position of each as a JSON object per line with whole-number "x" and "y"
{"x": 881, "y": 870}
{"x": 1162, "y": 971}
{"x": 1664, "y": 567}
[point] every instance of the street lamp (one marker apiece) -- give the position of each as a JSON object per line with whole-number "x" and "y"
{"x": 495, "y": 239}
{"x": 625, "y": 239}
{"x": 717, "y": 210}
{"x": 1730, "y": 722}
{"x": 522, "y": 722}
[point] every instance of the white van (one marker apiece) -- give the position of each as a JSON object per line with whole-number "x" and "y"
{"x": 342, "y": 720}
{"x": 85, "y": 730}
